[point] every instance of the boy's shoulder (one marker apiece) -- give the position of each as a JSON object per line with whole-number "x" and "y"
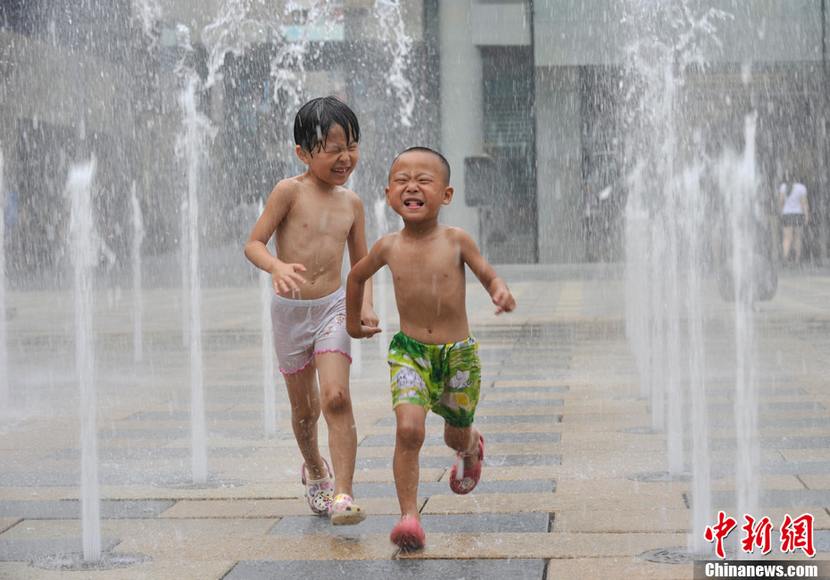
{"x": 350, "y": 195}
{"x": 287, "y": 187}
{"x": 456, "y": 234}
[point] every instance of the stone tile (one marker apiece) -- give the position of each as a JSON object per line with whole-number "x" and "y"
{"x": 463, "y": 524}
{"x": 544, "y": 545}
{"x": 581, "y": 494}
{"x": 625, "y": 520}
{"x": 517, "y": 394}
{"x": 363, "y": 490}
{"x": 789, "y": 499}
{"x": 138, "y": 454}
{"x": 150, "y": 570}
{"x": 493, "y": 473}
{"x": 39, "y": 479}
{"x": 216, "y": 546}
{"x": 605, "y": 407}
{"x": 6, "y": 523}
{"x": 475, "y": 503}
{"x": 574, "y": 442}
{"x": 501, "y": 391}
{"x": 797, "y": 468}
{"x": 805, "y": 455}
{"x": 22, "y": 550}
{"x": 816, "y": 481}
{"x": 202, "y": 540}
{"x": 184, "y": 416}
{"x": 346, "y": 569}
{"x": 630, "y": 567}
{"x": 598, "y": 464}
{"x": 264, "y": 508}
{"x": 783, "y": 442}
{"x": 385, "y": 474}
{"x": 525, "y": 412}
{"x": 491, "y": 419}
{"x": 510, "y": 449}
{"x": 439, "y": 461}
{"x": 491, "y": 424}
{"x": 790, "y": 482}
{"x": 71, "y": 509}
{"x": 512, "y": 402}
{"x": 491, "y": 437}
{"x": 524, "y": 383}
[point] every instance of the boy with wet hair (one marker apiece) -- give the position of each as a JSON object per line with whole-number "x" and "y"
{"x": 314, "y": 218}
{"x": 433, "y": 360}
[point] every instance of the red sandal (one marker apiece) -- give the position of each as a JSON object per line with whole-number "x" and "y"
{"x": 408, "y": 534}
{"x": 467, "y": 483}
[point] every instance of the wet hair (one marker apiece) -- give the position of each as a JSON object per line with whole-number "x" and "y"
{"x": 440, "y": 157}
{"x": 315, "y": 118}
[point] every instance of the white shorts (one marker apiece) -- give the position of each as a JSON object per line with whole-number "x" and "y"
{"x": 304, "y": 328}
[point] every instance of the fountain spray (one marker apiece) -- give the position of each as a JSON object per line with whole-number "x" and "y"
{"x": 85, "y": 252}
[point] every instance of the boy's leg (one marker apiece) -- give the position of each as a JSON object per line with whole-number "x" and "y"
{"x": 333, "y": 369}
{"x": 305, "y": 410}
{"x": 465, "y": 441}
{"x": 409, "y": 437}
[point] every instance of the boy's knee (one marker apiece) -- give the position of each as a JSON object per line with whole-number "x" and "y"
{"x": 304, "y": 416}
{"x": 335, "y": 400}
{"x": 410, "y": 434}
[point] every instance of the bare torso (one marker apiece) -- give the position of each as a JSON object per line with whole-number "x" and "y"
{"x": 430, "y": 286}
{"x": 313, "y": 233}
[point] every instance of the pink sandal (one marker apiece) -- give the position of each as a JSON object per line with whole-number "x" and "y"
{"x": 318, "y": 492}
{"x": 467, "y": 483}
{"x": 408, "y": 534}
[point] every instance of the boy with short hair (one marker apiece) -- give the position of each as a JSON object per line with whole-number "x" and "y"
{"x": 314, "y": 218}
{"x": 433, "y": 361}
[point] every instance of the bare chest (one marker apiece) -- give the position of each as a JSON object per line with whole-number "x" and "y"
{"x": 310, "y": 220}
{"x": 426, "y": 270}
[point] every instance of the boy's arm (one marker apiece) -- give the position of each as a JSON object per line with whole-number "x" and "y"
{"x": 357, "y": 250}
{"x": 285, "y": 276}
{"x": 495, "y": 286}
{"x": 362, "y": 271}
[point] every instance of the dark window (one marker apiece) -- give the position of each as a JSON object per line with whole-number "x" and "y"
{"x": 21, "y": 16}
{"x": 509, "y": 222}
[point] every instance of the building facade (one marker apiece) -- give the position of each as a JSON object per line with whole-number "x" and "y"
{"x": 527, "y": 99}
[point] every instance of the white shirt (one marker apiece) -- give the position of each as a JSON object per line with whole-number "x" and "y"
{"x": 792, "y": 205}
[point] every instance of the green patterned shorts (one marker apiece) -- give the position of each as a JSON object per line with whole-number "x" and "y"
{"x": 443, "y": 377}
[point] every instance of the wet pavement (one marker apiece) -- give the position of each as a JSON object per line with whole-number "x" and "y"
{"x": 574, "y": 481}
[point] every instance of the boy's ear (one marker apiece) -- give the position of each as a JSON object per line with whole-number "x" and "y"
{"x": 302, "y": 154}
{"x": 448, "y": 195}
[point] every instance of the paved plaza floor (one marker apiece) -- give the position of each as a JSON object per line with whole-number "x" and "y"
{"x": 574, "y": 481}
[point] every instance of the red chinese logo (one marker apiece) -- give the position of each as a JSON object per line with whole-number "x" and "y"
{"x": 719, "y": 531}
{"x": 757, "y": 535}
{"x": 796, "y": 534}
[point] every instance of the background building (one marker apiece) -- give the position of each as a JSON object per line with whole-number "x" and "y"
{"x": 529, "y": 100}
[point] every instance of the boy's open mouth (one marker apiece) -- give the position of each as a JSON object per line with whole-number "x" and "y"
{"x": 413, "y": 202}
